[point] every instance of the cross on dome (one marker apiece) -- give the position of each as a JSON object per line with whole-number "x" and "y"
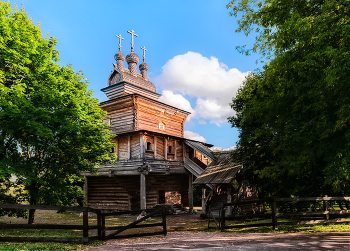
{"x": 120, "y": 41}
{"x": 144, "y": 50}
{"x": 132, "y": 39}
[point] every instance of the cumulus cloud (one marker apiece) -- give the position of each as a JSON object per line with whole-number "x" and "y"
{"x": 177, "y": 100}
{"x": 207, "y": 79}
{"x": 194, "y": 136}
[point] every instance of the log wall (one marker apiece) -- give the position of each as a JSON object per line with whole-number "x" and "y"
{"x": 121, "y": 115}
{"x": 118, "y": 193}
{"x": 123, "y": 147}
{"x": 150, "y": 114}
{"x": 175, "y": 187}
{"x": 160, "y": 148}
{"x": 179, "y": 151}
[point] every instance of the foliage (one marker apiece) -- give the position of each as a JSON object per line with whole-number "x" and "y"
{"x": 293, "y": 116}
{"x": 50, "y": 125}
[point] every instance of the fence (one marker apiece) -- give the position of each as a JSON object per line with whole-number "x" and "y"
{"x": 274, "y": 215}
{"x": 101, "y": 228}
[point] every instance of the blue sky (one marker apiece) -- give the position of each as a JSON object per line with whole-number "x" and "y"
{"x": 190, "y": 51}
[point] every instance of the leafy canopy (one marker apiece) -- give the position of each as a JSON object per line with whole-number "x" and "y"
{"x": 293, "y": 116}
{"x": 50, "y": 125}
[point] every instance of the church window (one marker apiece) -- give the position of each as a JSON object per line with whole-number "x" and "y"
{"x": 161, "y": 126}
{"x": 149, "y": 146}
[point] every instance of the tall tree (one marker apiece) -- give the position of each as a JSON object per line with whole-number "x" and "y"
{"x": 293, "y": 116}
{"x": 50, "y": 125}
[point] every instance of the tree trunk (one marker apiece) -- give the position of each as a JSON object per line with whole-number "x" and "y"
{"x": 33, "y": 191}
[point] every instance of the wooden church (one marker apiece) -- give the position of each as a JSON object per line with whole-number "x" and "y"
{"x": 155, "y": 164}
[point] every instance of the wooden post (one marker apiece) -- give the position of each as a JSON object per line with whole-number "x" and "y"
{"x": 222, "y": 225}
{"x": 190, "y": 192}
{"x": 164, "y": 221}
{"x": 203, "y": 201}
{"x": 142, "y": 146}
{"x": 229, "y": 200}
{"x": 129, "y": 147}
{"x": 274, "y": 217}
{"x": 86, "y": 226}
{"x": 325, "y": 208}
{"x": 165, "y": 148}
{"x": 86, "y": 191}
{"x": 103, "y": 227}
{"x": 99, "y": 226}
{"x": 184, "y": 150}
{"x": 175, "y": 150}
{"x": 142, "y": 191}
{"x": 155, "y": 147}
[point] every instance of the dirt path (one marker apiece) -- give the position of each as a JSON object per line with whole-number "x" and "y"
{"x": 232, "y": 241}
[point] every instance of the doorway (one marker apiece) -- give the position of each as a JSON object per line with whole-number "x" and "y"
{"x": 161, "y": 196}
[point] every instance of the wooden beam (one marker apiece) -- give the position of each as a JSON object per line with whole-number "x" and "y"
{"x": 165, "y": 148}
{"x": 203, "y": 201}
{"x": 184, "y": 150}
{"x": 129, "y": 147}
{"x": 190, "y": 191}
{"x": 142, "y": 146}
{"x": 142, "y": 191}
{"x": 229, "y": 200}
{"x": 155, "y": 146}
{"x": 175, "y": 149}
{"x": 86, "y": 191}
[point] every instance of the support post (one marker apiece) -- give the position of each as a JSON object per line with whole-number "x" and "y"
{"x": 190, "y": 192}
{"x": 103, "y": 227}
{"x": 86, "y": 191}
{"x": 274, "y": 217}
{"x": 222, "y": 215}
{"x": 155, "y": 147}
{"x": 99, "y": 225}
{"x": 325, "y": 208}
{"x": 165, "y": 148}
{"x": 142, "y": 146}
{"x": 164, "y": 221}
{"x": 129, "y": 147}
{"x": 204, "y": 211}
{"x": 229, "y": 200}
{"x": 142, "y": 191}
{"x": 86, "y": 226}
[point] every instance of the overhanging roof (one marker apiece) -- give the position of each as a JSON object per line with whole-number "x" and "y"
{"x": 220, "y": 171}
{"x": 202, "y": 148}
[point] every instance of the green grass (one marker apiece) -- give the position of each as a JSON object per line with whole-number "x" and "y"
{"x": 290, "y": 228}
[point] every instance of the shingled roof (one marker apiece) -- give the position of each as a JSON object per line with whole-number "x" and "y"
{"x": 220, "y": 171}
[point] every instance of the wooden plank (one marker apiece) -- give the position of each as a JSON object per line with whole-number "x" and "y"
{"x": 137, "y": 226}
{"x": 43, "y": 207}
{"x": 247, "y": 202}
{"x": 135, "y": 235}
{"x": 44, "y": 239}
{"x": 41, "y": 226}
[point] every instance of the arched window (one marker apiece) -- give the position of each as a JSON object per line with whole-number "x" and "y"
{"x": 161, "y": 126}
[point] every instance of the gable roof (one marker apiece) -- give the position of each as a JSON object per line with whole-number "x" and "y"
{"x": 220, "y": 171}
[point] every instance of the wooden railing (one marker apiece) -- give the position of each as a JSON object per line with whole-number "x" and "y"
{"x": 101, "y": 228}
{"x": 274, "y": 214}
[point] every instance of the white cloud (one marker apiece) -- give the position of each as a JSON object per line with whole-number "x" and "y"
{"x": 207, "y": 79}
{"x": 177, "y": 100}
{"x": 194, "y": 136}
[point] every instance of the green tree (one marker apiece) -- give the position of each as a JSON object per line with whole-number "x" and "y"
{"x": 50, "y": 125}
{"x": 293, "y": 116}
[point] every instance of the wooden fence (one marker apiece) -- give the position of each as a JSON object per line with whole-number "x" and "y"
{"x": 274, "y": 215}
{"x": 101, "y": 228}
